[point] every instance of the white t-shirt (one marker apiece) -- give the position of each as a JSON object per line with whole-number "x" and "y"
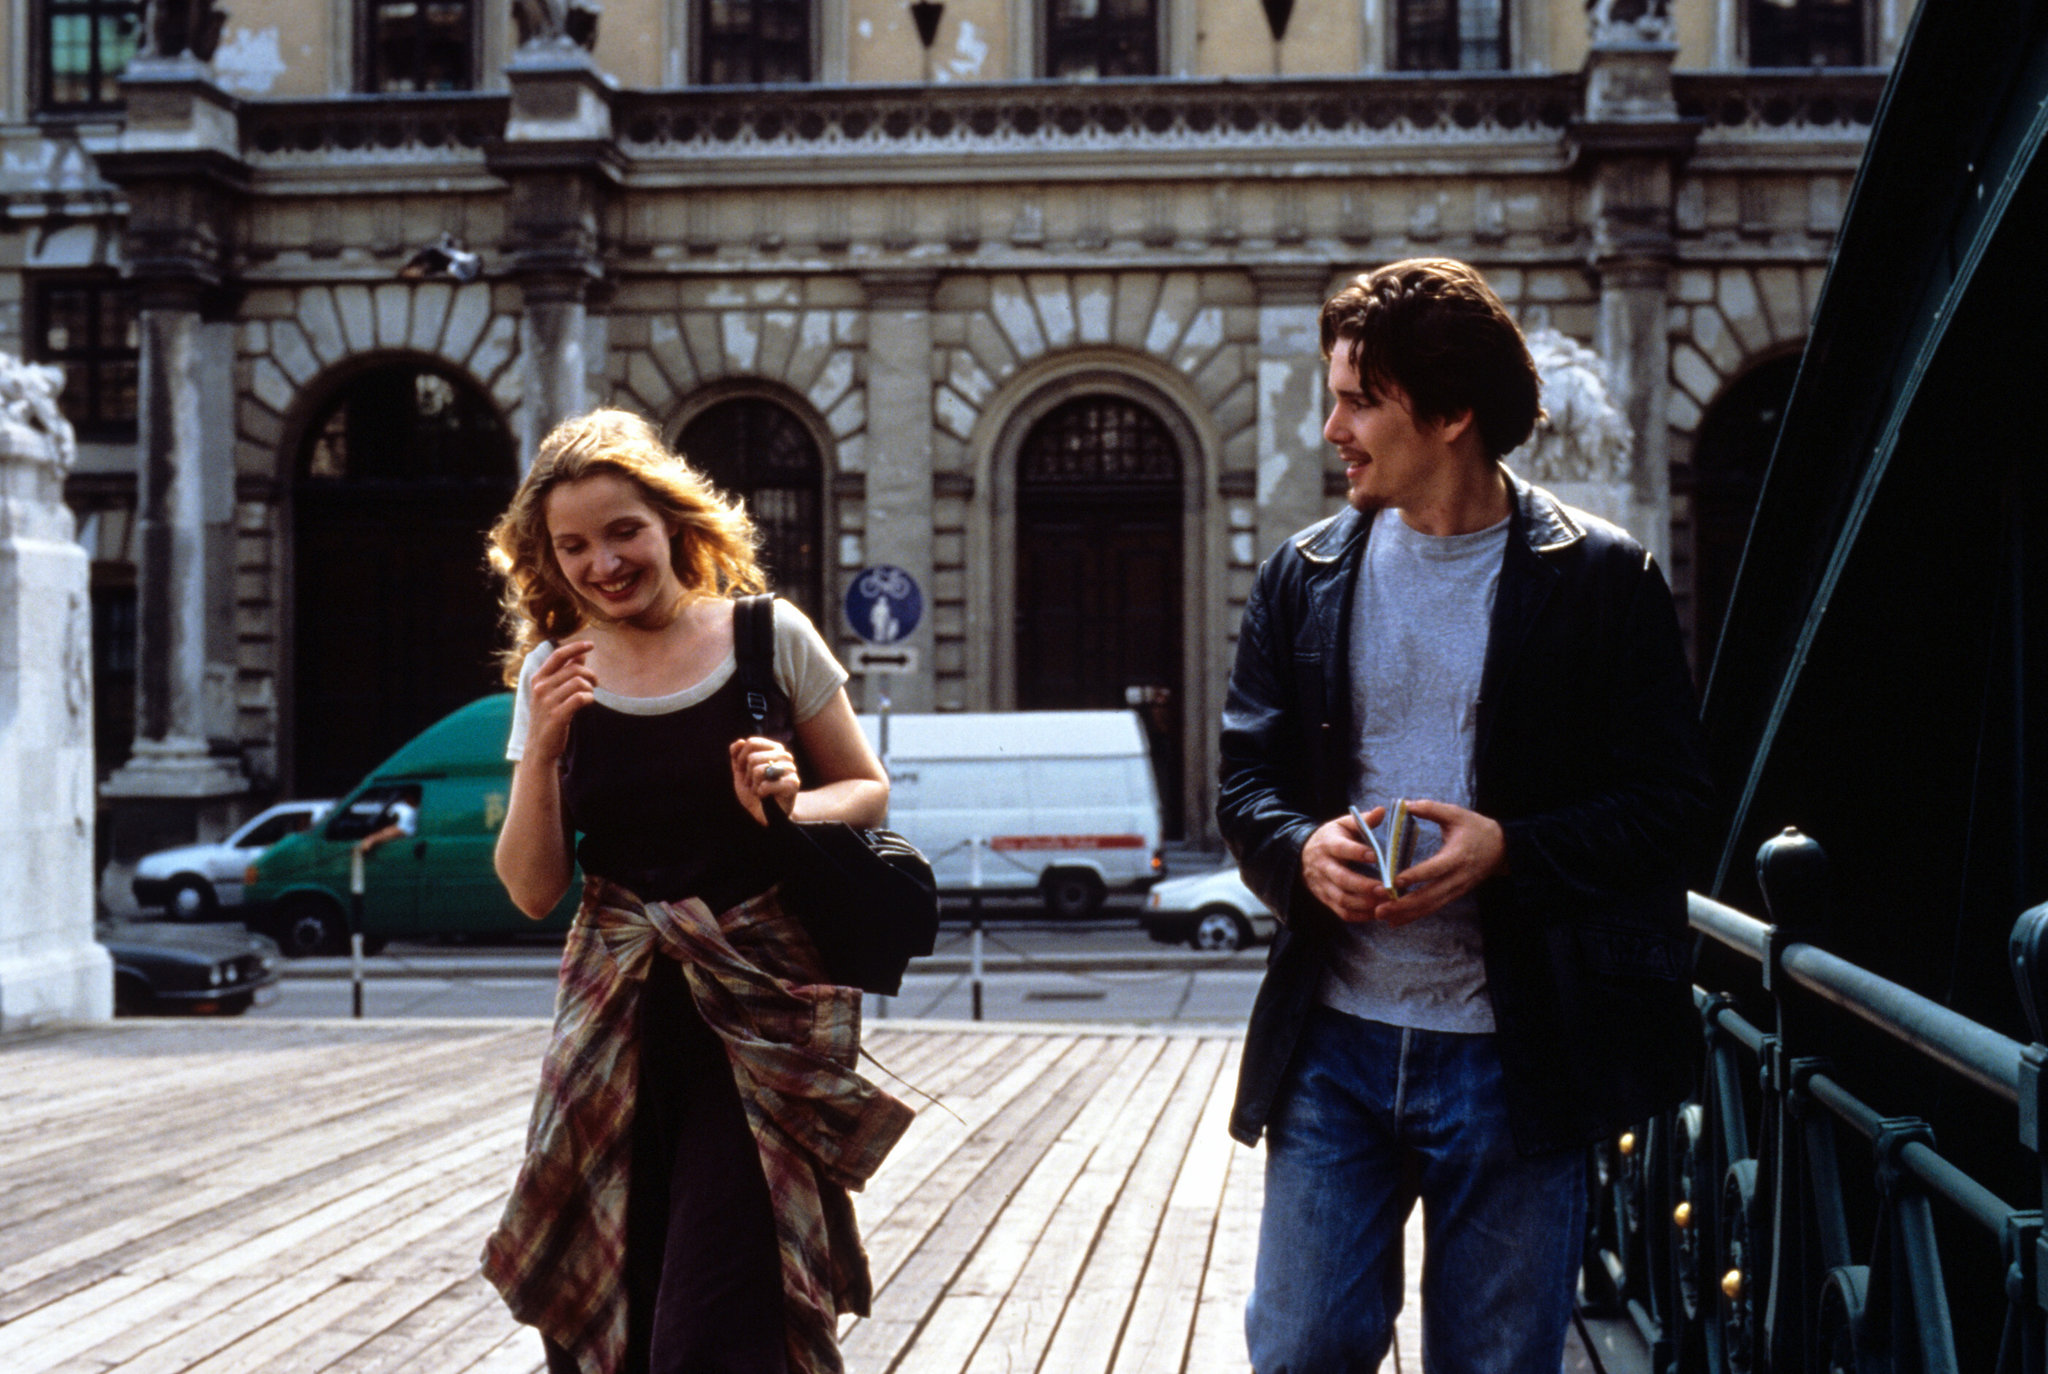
{"x": 404, "y": 815}
{"x": 804, "y": 669}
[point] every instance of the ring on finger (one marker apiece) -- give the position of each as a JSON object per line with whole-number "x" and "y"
{"x": 774, "y": 772}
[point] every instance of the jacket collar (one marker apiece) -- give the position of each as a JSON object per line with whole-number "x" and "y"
{"x": 1328, "y": 541}
{"x": 1545, "y": 523}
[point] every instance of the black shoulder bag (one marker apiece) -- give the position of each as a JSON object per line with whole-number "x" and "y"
{"x": 867, "y": 897}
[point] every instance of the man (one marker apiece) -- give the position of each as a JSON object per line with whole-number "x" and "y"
{"x": 1512, "y": 667}
{"x": 399, "y": 821}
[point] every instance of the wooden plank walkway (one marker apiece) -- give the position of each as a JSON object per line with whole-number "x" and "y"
{"x": 289, "y": 1197}
{"x": 292, "y": 1197}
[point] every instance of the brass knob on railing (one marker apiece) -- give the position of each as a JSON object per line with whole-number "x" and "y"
{"x": 1681, "y": 1215}
{"x": 1731, "y": 1284}
{"x": 1627, "y": 1143}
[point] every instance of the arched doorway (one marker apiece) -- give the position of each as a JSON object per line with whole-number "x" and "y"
{"x": 756, "y": 450}
{"x": 1730, "y": 456}
{"x": 397, "y": 480}
{"x": 1098, "y": 623}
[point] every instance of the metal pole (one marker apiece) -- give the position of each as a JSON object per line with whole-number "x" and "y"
{"x": 883, "y": 728}
{"x": 355, "y": 931}
{"x": 974, "y": 907}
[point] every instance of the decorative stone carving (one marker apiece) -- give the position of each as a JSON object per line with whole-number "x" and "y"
{"x": 556, "y": 21}
{"x": 1583, "y": 452}
{"x": 50, "y": 967}
{"x": 1631, "y": 21}
{"x": 174, "y": 28}
{"x": 28, "y": 398}
{"x": 1587, "y": 438}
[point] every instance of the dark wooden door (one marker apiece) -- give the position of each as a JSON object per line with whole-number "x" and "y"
{"x": 395, "y": 616}
{"x": 1099, "y": 575}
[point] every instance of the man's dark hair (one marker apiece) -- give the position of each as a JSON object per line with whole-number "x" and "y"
{"x": 1436, "y": 330}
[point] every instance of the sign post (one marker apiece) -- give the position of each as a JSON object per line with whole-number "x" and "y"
{"x": 883, "y": 606}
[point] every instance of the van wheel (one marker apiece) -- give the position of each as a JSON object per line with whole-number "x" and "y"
{"x": 309, "y": 925}
{"x": 1072, "y": 894}
{"x": 1219, "y": 928}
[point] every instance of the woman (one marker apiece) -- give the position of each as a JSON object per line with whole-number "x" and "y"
{"x": 698, "y": 1051}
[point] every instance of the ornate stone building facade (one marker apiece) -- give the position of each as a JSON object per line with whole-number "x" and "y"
{"x": 1028, "y": 311}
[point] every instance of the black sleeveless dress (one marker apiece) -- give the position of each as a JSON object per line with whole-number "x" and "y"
{"x": 652, "y": 795}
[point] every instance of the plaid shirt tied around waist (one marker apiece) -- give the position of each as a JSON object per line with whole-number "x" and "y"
{"x": 558, "y": 1256}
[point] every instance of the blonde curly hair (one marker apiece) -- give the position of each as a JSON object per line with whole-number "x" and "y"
{"x": 712, "y": 552}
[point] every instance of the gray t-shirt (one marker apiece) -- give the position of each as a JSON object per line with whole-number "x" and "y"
{"x": 1418, "y": 646}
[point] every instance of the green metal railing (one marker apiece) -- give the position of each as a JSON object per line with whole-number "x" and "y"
{"x": 1725, "y": 1229}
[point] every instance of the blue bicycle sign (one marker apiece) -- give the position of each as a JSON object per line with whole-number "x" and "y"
{"x": 884, "y": 604}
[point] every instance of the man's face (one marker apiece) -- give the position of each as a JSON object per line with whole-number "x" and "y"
{"x": 1389, "y": 459}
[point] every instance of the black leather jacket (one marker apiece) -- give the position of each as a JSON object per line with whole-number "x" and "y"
{"x": 1587, "y": 752}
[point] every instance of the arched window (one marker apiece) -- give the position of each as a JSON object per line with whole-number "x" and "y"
{"x": 759, "y": 452}
{"x": 396, "y": 482}
{"x": 1099, "y": 588}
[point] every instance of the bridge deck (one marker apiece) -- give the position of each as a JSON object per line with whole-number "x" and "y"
{"x": 289, "y": 1197}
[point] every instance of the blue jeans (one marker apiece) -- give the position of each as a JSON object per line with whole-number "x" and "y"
{"x": 1371, "y": 1118}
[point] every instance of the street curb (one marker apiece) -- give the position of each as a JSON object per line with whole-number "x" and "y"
{"x": 543, "y": 964}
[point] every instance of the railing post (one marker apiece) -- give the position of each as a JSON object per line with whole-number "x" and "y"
{"x": 1792, "y": 871}
{"x": 2028, "y": 1264}
{"x": 1917, "y": 1296}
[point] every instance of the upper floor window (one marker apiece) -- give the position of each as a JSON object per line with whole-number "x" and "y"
{"x": 85, "y": 45}
{"x": 1451, "y": 35}
{"x": 420, "y": 45}
{"x": 1806, "y": 33}
{"x": 1086, "y": 38}
{"x": 754, "y": 42}
{"x": 88, "y": 328}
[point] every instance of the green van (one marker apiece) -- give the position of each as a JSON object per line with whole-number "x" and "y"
{"x": 439, "y": 881}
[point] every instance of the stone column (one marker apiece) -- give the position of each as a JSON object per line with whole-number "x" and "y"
{"x": 561, "y": 164}
{"x": 899, "y": 449}
{"x": 50, "y": 967}
{"x": 1630, "y": 145}
{"x": 1292, "y": 453}
{"x": 178, "y": 159}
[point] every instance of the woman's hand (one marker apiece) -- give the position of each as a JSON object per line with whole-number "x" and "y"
{"x": 563, "y": 686}
{"x": 762, "y": 768}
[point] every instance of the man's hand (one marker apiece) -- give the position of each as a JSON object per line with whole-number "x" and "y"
{"x": 1474, "y": 849}
{"x": 377, "y": 839}
{"x": 1330, "y": 864}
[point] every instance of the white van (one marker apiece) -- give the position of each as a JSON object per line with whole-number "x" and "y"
{"x": 1061, "y": 802}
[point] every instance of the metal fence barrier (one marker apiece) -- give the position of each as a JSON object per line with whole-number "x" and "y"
{"x": 1724, "y": 1228}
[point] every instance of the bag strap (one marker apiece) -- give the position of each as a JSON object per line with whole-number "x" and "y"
{"x": 753, "y": 632}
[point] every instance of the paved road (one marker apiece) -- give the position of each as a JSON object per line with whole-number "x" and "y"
{"x": 1033, "y": 971}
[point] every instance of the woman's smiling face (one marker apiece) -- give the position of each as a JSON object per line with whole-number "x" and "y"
{"x": 612, "y": 547}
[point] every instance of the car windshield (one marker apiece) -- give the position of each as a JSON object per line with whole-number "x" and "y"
{"x": 274, "y": 829}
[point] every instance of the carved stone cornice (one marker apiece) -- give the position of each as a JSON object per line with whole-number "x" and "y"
{"x": 178, "y": 161}
{"x": 903, "y": 289}
{"x": 1291, "y": 283}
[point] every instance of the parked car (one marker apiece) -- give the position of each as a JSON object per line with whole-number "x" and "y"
{"x": 439, "y": 882}
{"x": 1063, "y": 802}
{"x": 1207, "y": 910}
{"x": 194, "y": 881}
{"x": 162, "y": 969}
